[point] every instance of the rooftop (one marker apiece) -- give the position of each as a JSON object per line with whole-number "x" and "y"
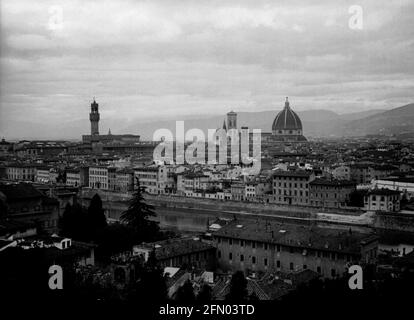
{"x": 326, "y": 182}
{"x": 176, "y": 247}
{"x": 296, "y": 235}
{"x": 383, "y": 192}
{"x": 296, "y": 173}
{"x": 20, "y": 191}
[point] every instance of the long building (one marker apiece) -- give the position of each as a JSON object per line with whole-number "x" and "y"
{"x": 268, "y": 247}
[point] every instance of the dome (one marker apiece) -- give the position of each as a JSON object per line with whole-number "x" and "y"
{"x": 287, "y": 119}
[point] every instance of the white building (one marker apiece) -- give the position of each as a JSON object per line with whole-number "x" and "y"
{"x": 403, "y": 185}
{"x": 46, "y": 175}
{"x": 73, "y": 177}
{"x": 382, "y": 200}
{"x": 98, "y": 177}
{"x": 154, "y": 178}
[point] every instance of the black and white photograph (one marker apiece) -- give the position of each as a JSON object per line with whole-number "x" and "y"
{"x": 207, "y": 159}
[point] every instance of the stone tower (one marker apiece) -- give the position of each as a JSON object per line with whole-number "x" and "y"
{"x": 94, "y": 118}
{"x": 231, "y": 120}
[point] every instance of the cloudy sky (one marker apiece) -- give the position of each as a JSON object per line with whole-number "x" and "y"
{"x": 175, "y": 58}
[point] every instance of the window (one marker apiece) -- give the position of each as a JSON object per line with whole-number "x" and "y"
{"x": 278, "y": 263}
{"x": 265, "y": 262}
{"x": 241, "y": 243}
{"x": 219, "y": 254}
{"x": 305, "y": 267}
{"x": 230, "y": 241}
{"x": 291, "y": 266}
{"x": 253, "y": 244}
{"x": 230, "y": 256}
{"x": 318, "y": 270}
{"x": 254, "y": 260}
{"x": 241, "y": 258}
{"x": 333, "y": 272}
{"x": 265, "y": 246}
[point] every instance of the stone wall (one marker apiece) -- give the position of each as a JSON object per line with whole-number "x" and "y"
{"x": 393, "y": 221}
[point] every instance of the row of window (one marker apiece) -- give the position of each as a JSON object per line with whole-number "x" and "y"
{"x": 278, "y": 263}
{"x": 290, "y": 185}
{"x": 292, "y": 178}
{"x": 297, "y": 200}
{"x": 324, "y": 195}
{"x": 290, "y": 193}
{"x": 99, "y": 172}
{"x": 290, "y": 249}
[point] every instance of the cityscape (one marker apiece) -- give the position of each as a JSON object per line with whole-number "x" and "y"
{"x": 273, "y": 207}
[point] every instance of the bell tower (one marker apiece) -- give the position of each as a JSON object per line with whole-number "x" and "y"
{"x": 231, "y": 120}
{"x": 94, "y": 118}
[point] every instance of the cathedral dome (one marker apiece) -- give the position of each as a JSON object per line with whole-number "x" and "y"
{"x": 286, "y": 119}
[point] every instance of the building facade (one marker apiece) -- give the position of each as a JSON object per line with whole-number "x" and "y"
{"x": 382, "y": 200}
{"x": 268, "y": 247}
{"x": 330, "y": 193}
{"x": 153, "y": 178}
{"x": 21, "y": 172}
{"x": 98, "y": 177}
{"x": 291, "y": 187}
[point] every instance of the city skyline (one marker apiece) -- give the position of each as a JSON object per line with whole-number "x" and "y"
{"x": 160, "y": 61}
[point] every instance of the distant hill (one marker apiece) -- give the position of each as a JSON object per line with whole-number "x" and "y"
{"x": 396, "y": 121}
{"x": 315, "y": 122}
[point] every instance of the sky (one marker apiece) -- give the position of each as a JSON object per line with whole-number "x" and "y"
{"x": 171, "y": 59}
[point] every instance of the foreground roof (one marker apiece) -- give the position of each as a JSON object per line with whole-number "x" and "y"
{"x": 300, "y": 236}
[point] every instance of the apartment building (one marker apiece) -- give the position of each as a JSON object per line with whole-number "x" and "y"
{"x": 153, "y": 178}
{"x": 330, "y": 193}
{"x": 265, "y": 246}
{"x": 382, "y": 200}
{"x": 98, "y": 177}
{"x": 21, "y": 172}
{"x": 291, "y": 187}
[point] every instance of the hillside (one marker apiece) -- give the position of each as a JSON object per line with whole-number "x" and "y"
{"x": 395, "y": 121}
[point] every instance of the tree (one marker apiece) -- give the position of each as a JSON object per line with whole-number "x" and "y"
{"x": 3, "y": 207}
{"x": 205, "y": 294}
{"x": 151, "y": 285}
{"x": 73, "y": 222}
{"x": 186, "y": 292}
{"x": 253, "y": 297}
{"x": 356, "y": 198}
{"x": 137, "y": 216}
{"x": 96, "y": 215}
{"x": 114, "y": 238}
{"x": 238, "y": 287}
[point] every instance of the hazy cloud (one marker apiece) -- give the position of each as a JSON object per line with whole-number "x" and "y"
{"x": 160, "y": 59}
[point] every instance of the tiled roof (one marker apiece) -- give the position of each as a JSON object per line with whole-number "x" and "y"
{"x": 20, "y": 191}
{"x": 306, "y": 237}
{"x": 177, "y": 247}
{"x": 297, "y": 173}
{"x": 333, "y": 183}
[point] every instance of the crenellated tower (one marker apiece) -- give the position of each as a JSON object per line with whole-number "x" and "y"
{"x": 94, "y": 118}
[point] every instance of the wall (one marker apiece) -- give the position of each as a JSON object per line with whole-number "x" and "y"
{"x": 393, "y": 221}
